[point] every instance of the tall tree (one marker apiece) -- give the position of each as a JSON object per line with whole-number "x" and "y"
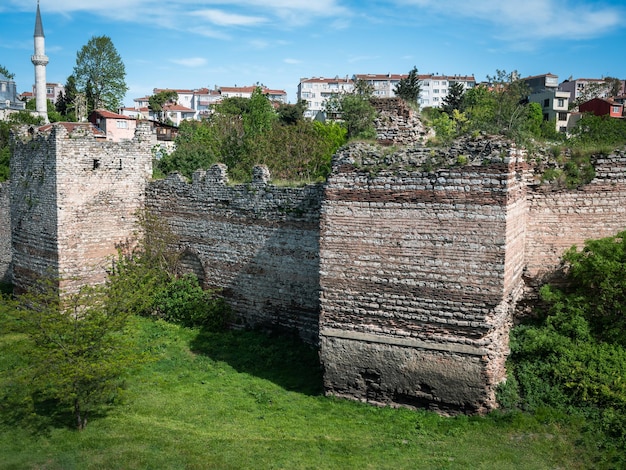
{"x": 409, "y": 87}
{"x": 66, "y": 102}
{"x": 100, "y": 74}
{"x": 158, "y": 100}
{"x": 454, "y": 98}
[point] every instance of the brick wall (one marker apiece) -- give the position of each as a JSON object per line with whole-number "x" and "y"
{"x": 558, "y": 219}
{"x": 74, "y": 197}
{"x": 417, "y": 288}
{"x": 257, "y": 242}
{"x": 5, "y": 233}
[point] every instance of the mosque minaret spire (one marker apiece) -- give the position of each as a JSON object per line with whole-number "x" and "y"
{"x": 40, "y": 60}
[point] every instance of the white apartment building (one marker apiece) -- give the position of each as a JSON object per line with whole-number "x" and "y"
{"x": 315, "y": 91}
{"x": 554, "y": 106}
{"x": 435, "y": 87}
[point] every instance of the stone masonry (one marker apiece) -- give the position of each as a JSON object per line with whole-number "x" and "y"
{"x": 73, "y": 198}
{"x": 5, "y": 234}
{"x": 405, "y": 267}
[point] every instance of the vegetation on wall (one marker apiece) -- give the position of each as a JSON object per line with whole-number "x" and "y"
{"x": 570, "y": 358}
{"x": 242, "y": 133}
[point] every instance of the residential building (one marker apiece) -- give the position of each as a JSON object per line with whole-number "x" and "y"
{"x": 541, "y": 83}
{"x": 52, "y": 91}
{"x": 315, "y": 91}
{"x": 435, "y": 87}
{"x": 383, "y": 85}
{"x": 246, "y": 92}
{"x": 115, "y": 126}
{"x": 554, "y": 106}
{"x": 603, "y": 107}
{"x": 583, "y": 89}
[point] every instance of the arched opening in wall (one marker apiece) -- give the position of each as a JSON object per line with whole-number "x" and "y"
{"x": 190, "y": 264}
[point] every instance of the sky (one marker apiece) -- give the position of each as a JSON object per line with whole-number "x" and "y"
{"x": 187, "y": 44}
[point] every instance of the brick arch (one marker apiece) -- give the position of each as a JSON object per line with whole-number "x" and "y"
{"x": 190, "y": 263}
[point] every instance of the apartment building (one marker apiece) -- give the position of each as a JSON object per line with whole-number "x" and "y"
{"x": 583, "y": 89}
{"x": 554, "y": 106}
{"x": 315, "y": 91}
{"x": 435, "y": 87}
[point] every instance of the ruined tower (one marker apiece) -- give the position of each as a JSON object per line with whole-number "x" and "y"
{"x": 40, "y": 60}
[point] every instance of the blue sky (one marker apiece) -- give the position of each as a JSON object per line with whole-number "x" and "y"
{"x": 203, "y": 43}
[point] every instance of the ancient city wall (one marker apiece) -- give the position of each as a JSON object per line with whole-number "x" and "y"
{"x": 558, "y": 219}
{"x": 419, "y": 275}
{"x": 74, "y": 197}
{"x": 257, "y": 242}
{"x": 5, "y": 233}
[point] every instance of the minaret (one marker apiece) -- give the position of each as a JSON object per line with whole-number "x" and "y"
{"x": 40, "y": 60}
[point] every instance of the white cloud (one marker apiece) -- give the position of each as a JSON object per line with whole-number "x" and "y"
{"x": 190, "y": 61}
{"x": 292, "y": 61}
{"x": 222, "y": 18}
{"x": 531, "y": 19}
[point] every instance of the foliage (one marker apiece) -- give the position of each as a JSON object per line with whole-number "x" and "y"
{"x": 242, "y": 399}
{"x": 599, "y": 130}
{"x": 157, "y": 101}
{"x": 66, "y": 104}
{"x": 4, "y": 71}
{"x": 409, "y": 87}
{"x": 183, "y": 301}
{"x": 100, "y": 74}
{"x": 573, "y": 358}
{"x": 31, "y": 105}
{"x": 454, "y": 99}
{"x": 357, "y": 114}
{"x": 146, "y": 280}
{"x": 76, "y": 350}
{"x": 242, "y": 134}
{"x": 535, "y": 119}
{"x": 290, "y": 114}
{"x": 5, "y": 150}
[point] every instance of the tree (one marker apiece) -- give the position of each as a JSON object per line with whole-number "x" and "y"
{"x": 77, "y": 349}
{"x": 409, "y": 87}
{"x": 157, "y": 101}
{"x": 66, "y": 103}
{"x": 261, "y": 114}
{"x": 454, "y": 98}
{"x": 4, "y": 71}
{"x": 291, "y": 114}
{"x": 53, "y": 115}
{"x": 100, "y": 74}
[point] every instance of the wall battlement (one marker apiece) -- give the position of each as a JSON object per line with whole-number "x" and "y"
{"x": 404, "y": 267}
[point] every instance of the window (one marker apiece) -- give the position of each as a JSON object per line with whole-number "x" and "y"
{"x": 49, "y": 91}
{"x": 436, "y": 91}
{"x": 561, "y": 102}
{"x": 562, "y": 116}
{"x": 546, "y": 103}
{"x": 444, "y": 83}
{"x": 436, "y": 82}
{"x": 616, "y": 110}
{"x": 122, "y": 124}
{"x": 426, "y": 83}
{"x": 562, "y": 129}
{"x": 435, "y": 99}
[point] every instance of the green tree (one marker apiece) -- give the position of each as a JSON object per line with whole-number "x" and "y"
{"x": 409, "y": 87}
{"x": 4, "y": 71}
{"x": 454, "y": 98}
{"x": 5, "y": 150}
{"x": 66, "y": 101}
{"x": 260, "y": 116}
{"x": 77, "y": 350}
{"x": 534, "y": 119}
{"x": 290, "y": 114}
{"x": 100, "y": 74}
{"x": 158, "y": 100}
{"x": 358, "y": 116}
{"x": 53, "y": 114}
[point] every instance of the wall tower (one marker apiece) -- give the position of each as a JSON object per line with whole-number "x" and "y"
{"x": 40, "y": 60}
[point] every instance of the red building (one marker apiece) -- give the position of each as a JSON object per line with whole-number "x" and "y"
{"x": 602, "y": 107}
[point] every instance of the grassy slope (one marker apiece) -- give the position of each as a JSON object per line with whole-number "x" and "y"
{"x": 241, "y": 400}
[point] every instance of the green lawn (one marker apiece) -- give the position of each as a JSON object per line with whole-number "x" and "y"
{"x": 240, "y": 400}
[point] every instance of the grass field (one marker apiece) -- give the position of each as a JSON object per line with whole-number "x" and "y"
{"x": 243, "y": 400}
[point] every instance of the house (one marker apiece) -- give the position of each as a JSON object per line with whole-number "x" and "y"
{"x": 115, "y": 126}
{"x": 246, "y": 92}
{"x": 176, "y": 113}
{"x": 315, "y": 91}
{"x": 603, "y": 107}
{"x": 554, "y": 106}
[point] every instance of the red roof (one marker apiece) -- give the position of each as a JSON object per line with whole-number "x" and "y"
{"x": 109, "y": 115}
{"x": 72, "y": 126}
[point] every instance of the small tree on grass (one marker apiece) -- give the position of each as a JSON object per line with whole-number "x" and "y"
{"x": 77, "y": 350}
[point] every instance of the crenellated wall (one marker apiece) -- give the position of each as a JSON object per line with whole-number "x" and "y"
{"x": 73, "y": 198}
{"x": 417, "y": 284}
{"x": 257, "y": 242}
{"x": 5, "y": 233}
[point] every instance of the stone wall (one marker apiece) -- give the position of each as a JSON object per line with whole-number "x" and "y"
{"x": 420, "y": 272}
{"x": 560, "y": 218}
{"x": 73, "y": 198}
{"x": 5, "y": 233}
{"x": 257, "y": 242}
